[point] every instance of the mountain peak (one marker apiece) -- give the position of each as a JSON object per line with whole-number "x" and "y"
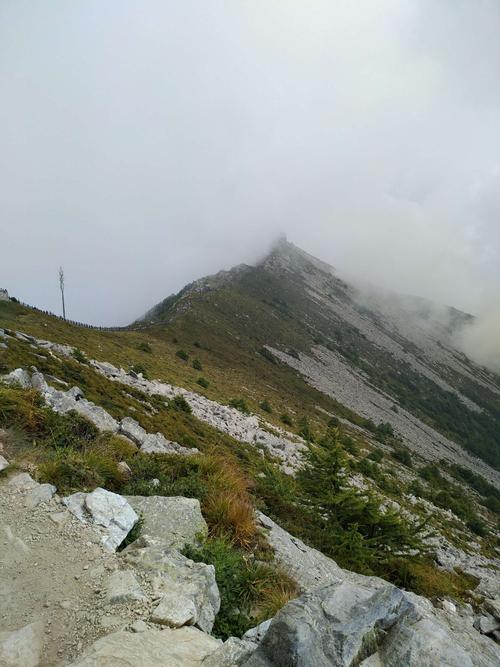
{"x": 286, "y": 255}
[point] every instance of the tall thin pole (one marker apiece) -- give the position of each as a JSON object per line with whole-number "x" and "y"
{"x": 61, "y": 285}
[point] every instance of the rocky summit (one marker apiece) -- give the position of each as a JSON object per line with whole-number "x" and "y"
{"x": 271, "y": 468}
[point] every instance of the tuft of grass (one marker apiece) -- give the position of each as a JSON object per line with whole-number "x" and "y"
{"x": 24, "y": 409}
{"x": 71, "y": 470}
{"x": 197, "y": 365}
{"x": 182, "y": 354}
{"x": 215, "y": 478}
{"x": 264, "y": 405}
{"x": 203, "y": 382}
{"x": 250, "y": 591}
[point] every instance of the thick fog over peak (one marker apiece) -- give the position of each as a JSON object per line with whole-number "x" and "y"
{"x": 147, "y": 144}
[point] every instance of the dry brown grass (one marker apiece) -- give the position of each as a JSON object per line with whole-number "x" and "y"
{"x": 227, "y": 505}
{"x": 276, "y": 596}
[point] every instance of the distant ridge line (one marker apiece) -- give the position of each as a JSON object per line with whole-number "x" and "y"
{"x": 83, "y": 325}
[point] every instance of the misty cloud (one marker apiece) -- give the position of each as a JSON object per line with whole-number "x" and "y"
{"x": 147, "y": 144}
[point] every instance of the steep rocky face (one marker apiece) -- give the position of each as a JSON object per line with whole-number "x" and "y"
{"x": 386, "y": 357}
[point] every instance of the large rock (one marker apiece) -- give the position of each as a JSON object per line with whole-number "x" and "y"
{"x": 173, "y": 521}
{"x": 232, "y": 653}
{"x": 176, "y": 577}
{"x": 21, "y": 648}
{"x": 18, "y": 377}
{"x": 151, "y": 443}
{"x": 122, "y": 586}
{"x": 346, "y": 625}
{"x": 62, "y": 402}
{"x": 186, "y": 647}
{"x": 175, "y": 610}
{"x": 131, "y": 429}
{"x": 3, "y": 462}
{"x": 106, "y": 510}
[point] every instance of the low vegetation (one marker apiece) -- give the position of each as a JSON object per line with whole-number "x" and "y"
{"x": 447, "y": 495}
{"x": 251, "y": 590}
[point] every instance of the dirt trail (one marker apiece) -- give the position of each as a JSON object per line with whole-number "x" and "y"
{"x": 53, "y": 569}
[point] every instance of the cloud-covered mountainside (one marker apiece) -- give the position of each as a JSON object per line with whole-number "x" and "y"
{"x": 304, "y": 471}
{"x": 387, "y": 357}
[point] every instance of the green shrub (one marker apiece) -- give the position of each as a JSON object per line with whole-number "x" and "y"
{"x": 264, "y": 405}
{"x": 267, "y": 354}
{"x": 197, "y": 365}
{"x": 138, "y": 369}
{"x": 349, "y": 445}
{"x": 376, "y": 455}
{"x": 144, "y": 347}
{"x": 239, "y": 404}
{"x": 402, "y": 455}
{"x": 182, "y": 354}
{"x": 343, "y": 522}
{"x": 203, "y": 382}
{"x": 286, "y": 419}
{"x": 250, "y": 591}
{"x": 179, "y": 403}
{"x": 305, "y": 430}
{"x": 477, "y": 526}
{"x": 79, "y": 356}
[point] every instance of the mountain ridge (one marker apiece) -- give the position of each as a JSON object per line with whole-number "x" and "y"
{"x": 401, "y": 347}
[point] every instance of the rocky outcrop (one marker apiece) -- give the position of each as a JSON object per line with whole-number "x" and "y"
{"x": 286, "y": 447}
{"x": 349, "y": 624}
{"x": 111, "y": 513}
{"x": 172, "y": 521}
{"x": 186, "y": 647}
{"x": 152, "y": 443}
{"x": 232, "y": 653}
{"x": 73, "y": 399}
{"x": 19, "y": 377}
{"x": 21, "y": 648}
{"x": 186, "y": 591}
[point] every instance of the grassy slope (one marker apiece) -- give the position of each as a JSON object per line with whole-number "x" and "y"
{"x": 228, "y": 350}
{"x": 261, "y": 307}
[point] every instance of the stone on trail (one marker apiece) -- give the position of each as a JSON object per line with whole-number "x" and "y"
{"x": 41, "y": 494}
{"x": 185, "y": 647}
{"x": 175, "y": 610}
{"x": 104, "y": 509}
{"x": 232, "y": 653}
{"x": 174, "y": 574}
{"x": 21, "y": 648}
{"x": 122, "y": 586}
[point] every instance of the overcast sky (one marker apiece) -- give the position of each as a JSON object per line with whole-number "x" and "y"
{"x": 145, "y": 144}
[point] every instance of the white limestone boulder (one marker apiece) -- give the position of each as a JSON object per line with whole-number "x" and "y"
{"x": 110, "y": 512}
